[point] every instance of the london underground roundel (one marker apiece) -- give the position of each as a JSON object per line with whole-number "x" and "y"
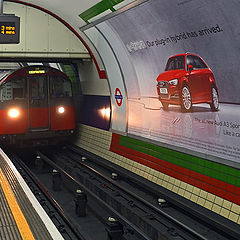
{"x": 118, "y": 97}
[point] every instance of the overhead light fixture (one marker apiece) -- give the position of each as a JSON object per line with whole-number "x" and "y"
{"x": 106, "y": 112}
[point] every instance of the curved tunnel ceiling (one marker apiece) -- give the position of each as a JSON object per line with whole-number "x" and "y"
{"x": 77, "y": 13}
{"x": 39, "y": 41}
{"x": 69, "y": 13}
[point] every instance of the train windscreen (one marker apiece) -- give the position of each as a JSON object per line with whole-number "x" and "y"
{"x": 38, "y": 87}
{"x": 60, "y": 87}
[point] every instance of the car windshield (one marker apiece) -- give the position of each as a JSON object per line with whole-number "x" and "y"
{"x": 175, "y": 63}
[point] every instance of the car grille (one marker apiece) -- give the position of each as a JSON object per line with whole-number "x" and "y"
{"x": 163, "y": 84}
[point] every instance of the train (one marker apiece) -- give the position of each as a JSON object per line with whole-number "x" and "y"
{"x": 36, "y": 106}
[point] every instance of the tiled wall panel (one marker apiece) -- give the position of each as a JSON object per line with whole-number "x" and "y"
{"x": 102, "y": 142}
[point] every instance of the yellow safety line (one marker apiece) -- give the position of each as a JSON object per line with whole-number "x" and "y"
{"x": 20, "y": 220}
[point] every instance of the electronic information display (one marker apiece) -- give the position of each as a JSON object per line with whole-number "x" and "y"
{"x": 9, "y": 29}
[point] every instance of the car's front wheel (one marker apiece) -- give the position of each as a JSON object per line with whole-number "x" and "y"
{"x": 186, "y": 99}
{"x": 215, "y": 100}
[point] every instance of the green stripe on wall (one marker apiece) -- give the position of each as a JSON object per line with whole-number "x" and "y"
{"x": 98, "y": 9}
{"x": 215, "y": 170}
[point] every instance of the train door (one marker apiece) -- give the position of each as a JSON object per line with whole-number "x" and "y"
{"x": 38, "y": 103}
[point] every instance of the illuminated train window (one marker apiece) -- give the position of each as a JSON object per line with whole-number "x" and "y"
{"x": 38, "y": 87}
{"x": 13, "y": 90}
{"x": 60, "y": 87}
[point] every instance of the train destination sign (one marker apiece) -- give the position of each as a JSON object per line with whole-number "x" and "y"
{"x": 9, "y": 28}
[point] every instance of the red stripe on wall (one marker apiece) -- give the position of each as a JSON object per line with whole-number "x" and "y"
{"x": 115, "y": 140}
{"x": 219, "y": 188}
{"x": 102, "y": 74}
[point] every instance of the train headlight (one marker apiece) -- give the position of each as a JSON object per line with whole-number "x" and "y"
{"x": 13, "y": 113}
{"x": 60, "y": 110}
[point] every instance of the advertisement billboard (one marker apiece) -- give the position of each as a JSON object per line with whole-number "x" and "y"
{"x": 185, "y": 55}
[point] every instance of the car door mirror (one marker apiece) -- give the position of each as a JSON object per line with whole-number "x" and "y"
{"x": 190, "y": 67}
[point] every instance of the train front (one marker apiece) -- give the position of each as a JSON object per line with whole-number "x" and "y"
{"x": 36, "y": 107}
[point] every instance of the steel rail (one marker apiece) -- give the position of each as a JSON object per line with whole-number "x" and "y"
{"x": 121, "y": 219}
{"x": 53, "y": 202}
{"x": 228, "y": 231}
{"x": 168, "y": 216}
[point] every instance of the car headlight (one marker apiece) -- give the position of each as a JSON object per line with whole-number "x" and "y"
{"x": 60, "y": 110}
{"x": 13, "y": 113}
{"x": 173, "y": 82}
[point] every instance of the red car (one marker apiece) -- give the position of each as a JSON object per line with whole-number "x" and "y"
{"x": 187, "y": 80}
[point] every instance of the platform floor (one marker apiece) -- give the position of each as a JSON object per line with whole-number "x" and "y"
{"x": 21, "y": 215}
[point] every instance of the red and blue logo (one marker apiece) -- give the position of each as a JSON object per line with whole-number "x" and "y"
{"x": 118, "y": 97}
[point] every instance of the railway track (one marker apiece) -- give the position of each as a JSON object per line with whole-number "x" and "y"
{"x": 125, "y": 207}
{"x": 49, "y": 204}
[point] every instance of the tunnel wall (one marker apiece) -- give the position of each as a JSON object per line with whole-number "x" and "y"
{"x": 115, "y": 80}
{"x": 152, "y": 32}
{"x": 145, "y": 38}
{"x": 92, "y": 108}
{"x": 91, "y": 84}
{"x": 40, "y": 40}
{"x": 193, "y": 154}
{"x": 139, "y": 43}
{"x": 94, "y": 97}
